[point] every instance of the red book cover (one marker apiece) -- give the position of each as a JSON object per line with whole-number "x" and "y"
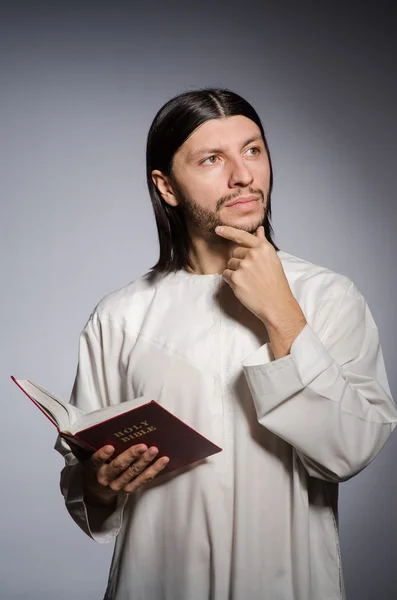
{"x": 153, "y": 425}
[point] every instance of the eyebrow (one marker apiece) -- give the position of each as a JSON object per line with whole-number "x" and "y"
{"x": 210, "y": 151}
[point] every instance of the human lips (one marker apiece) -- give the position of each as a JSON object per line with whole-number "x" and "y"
{"x": 242, "y": 201}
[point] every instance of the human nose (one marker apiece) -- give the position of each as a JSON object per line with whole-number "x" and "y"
{"x": 240, "y": 174}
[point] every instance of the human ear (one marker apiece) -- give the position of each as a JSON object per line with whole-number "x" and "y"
{"x": 164, "y": 187}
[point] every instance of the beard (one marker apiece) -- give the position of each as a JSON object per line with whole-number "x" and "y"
{"x": 205, "y": 220}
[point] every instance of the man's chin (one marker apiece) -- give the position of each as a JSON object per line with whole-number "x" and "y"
{"x": 249, "y": 227}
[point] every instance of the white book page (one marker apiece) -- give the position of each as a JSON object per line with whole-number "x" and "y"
{"x": 61, "y": 413}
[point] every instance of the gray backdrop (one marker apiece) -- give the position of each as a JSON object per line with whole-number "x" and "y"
{"x": 80, "y": 84}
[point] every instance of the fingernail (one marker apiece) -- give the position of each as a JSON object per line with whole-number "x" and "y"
{"x": 219, "y": 229}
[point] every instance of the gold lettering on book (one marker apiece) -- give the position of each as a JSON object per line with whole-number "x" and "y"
{"x": 134, "y": 431}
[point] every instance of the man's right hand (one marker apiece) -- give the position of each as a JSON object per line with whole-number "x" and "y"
{"x": 104, "y": 480}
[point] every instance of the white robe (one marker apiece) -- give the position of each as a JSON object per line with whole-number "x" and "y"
{"x": 258, "y": 520}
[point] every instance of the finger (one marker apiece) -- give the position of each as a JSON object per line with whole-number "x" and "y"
{"x": 233, "y": 264}
{"x": 108, "y": 472}
{"x": 240, "y": 252}
{"x": 147, "y": 475}
{"x": 239, "y": 236}
{"x": 101, "y": 456}
{"x": 133, "y": 470}
{"x": 227, "y": 276}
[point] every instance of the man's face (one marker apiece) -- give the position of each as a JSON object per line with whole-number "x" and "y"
{"x": 222, "y": 175}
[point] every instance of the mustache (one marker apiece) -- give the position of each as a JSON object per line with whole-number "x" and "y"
{"x": 231, "y": 197}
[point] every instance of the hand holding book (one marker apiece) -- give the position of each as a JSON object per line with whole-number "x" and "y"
{"x": 130, "y": 470}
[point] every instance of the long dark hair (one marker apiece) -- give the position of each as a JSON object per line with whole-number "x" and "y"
{"x": 172, "y": 125}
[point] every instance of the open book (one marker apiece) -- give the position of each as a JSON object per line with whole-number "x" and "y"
{"x": 133, "y": 422}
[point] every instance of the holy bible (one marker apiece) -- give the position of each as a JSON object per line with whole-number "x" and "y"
{"x": 121, "y": 426}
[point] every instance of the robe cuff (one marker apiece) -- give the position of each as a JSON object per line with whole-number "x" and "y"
{"x": 102, "y": 524}
{"x": 271, "y": 383}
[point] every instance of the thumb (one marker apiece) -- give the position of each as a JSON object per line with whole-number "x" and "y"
{"x": 260, "y": 232}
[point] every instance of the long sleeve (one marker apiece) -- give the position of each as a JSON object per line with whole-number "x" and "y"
{"x": 96, "y": 385}
{"x": 329, "y": 398}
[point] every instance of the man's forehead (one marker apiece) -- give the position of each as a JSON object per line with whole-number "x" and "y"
{"x": 221, "y": 133}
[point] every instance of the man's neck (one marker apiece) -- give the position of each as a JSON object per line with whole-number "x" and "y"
{"x": 209, "y": 256}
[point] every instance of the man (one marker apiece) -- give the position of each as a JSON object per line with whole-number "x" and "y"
{"x": 271, "y": 357}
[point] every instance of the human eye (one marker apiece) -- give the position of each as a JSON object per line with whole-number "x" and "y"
{"x": 254, "y": 151}
{"x": 210, "y": 160}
